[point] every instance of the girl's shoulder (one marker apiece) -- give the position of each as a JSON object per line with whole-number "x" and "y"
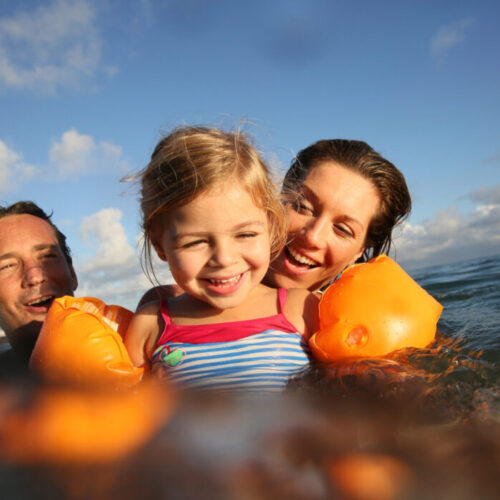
{"x": 148, "y": 308}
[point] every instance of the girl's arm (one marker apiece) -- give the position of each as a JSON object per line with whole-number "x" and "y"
{"x": 142, "y": 333}
{"x": 301, "y": 309}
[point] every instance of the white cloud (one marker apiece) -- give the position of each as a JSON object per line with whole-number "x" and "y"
{"x": 113, "y": 249}
{"x": 449, "y": 36}
{"x": 113, "y": 273}
{"x": 76, "y": 154}
{"x": 13, "y": 171}
{"x": 50, "y": 46}
{"x": 451, "y": 236}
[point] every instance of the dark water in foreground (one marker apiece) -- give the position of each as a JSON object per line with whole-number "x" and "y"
{"x": 419, "y": 424}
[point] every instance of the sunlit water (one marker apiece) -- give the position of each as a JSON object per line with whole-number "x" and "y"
{"x": 427, "y": 419}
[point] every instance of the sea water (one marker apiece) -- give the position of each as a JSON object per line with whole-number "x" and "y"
{"x": 417, "y": 424}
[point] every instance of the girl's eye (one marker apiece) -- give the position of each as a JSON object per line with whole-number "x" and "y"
{"x": 246, "y": 235}
{"x": 192, "y": 244}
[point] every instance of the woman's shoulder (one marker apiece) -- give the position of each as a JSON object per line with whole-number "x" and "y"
{"x": 301, "y": 294}
{"x": 301, "y": 308}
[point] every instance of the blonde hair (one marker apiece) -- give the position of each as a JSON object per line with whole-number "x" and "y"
{"x": 190, "y": 161}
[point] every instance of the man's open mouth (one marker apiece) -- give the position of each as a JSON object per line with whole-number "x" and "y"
{"x": 45, "y": 301}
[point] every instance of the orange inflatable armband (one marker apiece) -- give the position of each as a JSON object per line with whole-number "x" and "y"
{"x": 75, "y": 426}
{"x": 81, "y": 343}
{"x": 371, "y": 310}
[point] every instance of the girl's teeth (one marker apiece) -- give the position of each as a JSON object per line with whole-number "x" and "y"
{"x": 226, "y": 282}
{"x": 301, "y": 258}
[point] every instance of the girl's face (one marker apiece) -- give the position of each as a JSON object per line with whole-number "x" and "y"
{"x": 217, "y": 246}
{"x": 327, "y": 227}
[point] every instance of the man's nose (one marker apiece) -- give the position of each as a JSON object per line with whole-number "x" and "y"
{"x": 34, "y": 274}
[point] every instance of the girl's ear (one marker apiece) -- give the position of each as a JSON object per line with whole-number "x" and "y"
{"x": 159, "y": 250}
{"x": 156, "y": 245}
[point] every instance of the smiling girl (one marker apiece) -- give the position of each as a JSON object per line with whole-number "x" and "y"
{"x": 211, "y": 212}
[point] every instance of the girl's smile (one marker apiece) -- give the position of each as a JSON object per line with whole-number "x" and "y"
{"x": 226, "y": 285}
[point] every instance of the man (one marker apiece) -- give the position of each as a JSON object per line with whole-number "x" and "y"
{"x": 35, "y": 268}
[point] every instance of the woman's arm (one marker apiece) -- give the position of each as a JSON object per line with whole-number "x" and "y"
{"x": 142, "y": 333}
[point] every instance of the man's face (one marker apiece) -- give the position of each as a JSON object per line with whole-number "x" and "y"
{"x": 33, "y": 272}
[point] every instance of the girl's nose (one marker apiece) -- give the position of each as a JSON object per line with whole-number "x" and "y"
{"x": 223, "y": 253}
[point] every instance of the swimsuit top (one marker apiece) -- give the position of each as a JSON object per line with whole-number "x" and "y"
{"x": 254, "y": 355}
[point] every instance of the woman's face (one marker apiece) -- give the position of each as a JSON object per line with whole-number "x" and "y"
{"x": 327, "y": 226}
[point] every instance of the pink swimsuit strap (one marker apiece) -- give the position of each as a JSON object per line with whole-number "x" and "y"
{"x": 223, "y": 332}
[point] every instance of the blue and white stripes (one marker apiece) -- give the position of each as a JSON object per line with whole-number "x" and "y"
{"x": 262, "y": 362}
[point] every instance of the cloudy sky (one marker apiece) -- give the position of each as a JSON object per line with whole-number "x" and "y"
{"x": 87, "y": 87}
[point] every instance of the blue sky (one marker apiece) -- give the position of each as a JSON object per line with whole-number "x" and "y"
{"x": 87, "y": 87}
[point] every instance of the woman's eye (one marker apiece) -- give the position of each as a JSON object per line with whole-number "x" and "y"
{"x": 302, "y": 207}
{"x": 343, "y": 230}
{"x": 246, "y": 235}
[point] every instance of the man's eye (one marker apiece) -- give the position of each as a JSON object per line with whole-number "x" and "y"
{"x": 7, "y": 267}
{"x": 50, "y": 255}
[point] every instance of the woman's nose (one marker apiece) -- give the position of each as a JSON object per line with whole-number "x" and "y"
{"x": 315, "y": 232}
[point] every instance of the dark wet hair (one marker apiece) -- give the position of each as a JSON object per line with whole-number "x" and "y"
{"x": 358, "y": 156}
{"x": 30, "y": 208}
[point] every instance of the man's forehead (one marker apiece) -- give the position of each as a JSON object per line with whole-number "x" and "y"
{"x": 23, "y": 232}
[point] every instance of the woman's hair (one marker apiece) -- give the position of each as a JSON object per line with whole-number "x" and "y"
{"x": 190, "y": 161}
{"x": 395, "y": 200}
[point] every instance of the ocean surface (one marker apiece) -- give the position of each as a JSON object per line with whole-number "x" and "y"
{"x": 416, "y": 424}
{"x": 470, "y": 294}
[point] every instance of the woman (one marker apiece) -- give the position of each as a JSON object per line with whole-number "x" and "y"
{"x": 343, "y": 201}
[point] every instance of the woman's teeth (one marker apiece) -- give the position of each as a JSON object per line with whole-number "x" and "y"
{"x": 301, "y": 259}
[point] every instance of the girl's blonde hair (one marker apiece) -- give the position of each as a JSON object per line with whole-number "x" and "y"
{"x": 190, "y": 161}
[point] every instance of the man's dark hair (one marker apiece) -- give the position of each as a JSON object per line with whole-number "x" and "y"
{"x": 30, "y": 208}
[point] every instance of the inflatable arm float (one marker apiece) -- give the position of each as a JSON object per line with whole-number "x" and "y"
{"x": 371, "y": 310}
{"x": 81, "y": 343}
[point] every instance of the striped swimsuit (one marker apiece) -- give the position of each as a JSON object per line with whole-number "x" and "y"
{"x": 258, "y": 355}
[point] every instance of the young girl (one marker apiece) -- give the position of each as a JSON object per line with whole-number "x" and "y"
{"x": 211, "y": 212}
